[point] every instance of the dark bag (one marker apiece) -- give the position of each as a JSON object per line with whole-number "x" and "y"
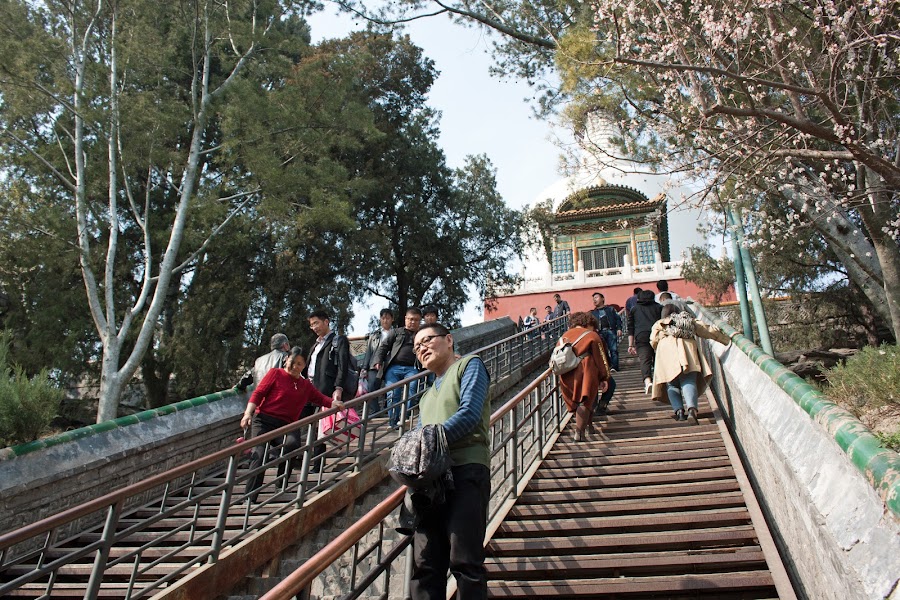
{"x": 420, "y": 456}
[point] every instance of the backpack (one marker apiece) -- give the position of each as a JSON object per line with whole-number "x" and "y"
{"x": 681, "y": 325}
{"x": 351, "y": 377}
{"x": 563, "y": 358}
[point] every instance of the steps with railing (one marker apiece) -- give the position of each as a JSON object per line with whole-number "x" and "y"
{"x": 192, "y": 519}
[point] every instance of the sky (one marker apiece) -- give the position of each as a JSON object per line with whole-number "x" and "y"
{"x": 483, "y": 114}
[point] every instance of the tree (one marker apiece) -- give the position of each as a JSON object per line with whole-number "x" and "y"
{"x": 427, "y": 232}
{"x": 113, "y": 106}
{"x": 792, "y": 99}
{"x": 303, "y": 150}
{"x": 713, "y": 276}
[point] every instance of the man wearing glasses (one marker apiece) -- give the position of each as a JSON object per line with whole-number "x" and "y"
{"x": 451, "y": 535}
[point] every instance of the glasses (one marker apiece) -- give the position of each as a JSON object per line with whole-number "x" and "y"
{"x": 425, "y": 341}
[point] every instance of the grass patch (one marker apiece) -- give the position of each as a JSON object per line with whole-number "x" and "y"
{"x": 890, "y": 440}
{"x": 867, "y": 381}
{"x": 868, "y": 385}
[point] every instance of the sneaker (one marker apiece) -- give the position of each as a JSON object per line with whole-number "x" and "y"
{"x": 679, "y": 415}
{"x": 613, "y": 370}
{"x": 648, "y": 385}
{"x": 692, "y": 416}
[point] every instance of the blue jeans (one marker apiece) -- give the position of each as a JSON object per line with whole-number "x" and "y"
{"x": 394, "y": 374}
{"x": 612, "y": 347}
{"x": 683, "y": 391}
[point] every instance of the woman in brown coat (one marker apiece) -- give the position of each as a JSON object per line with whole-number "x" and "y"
{"x": 681, "y": 372}
{"x": 579, "y": 387}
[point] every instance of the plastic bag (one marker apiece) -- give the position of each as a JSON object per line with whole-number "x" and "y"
{"x": 336, "y": 422}
{"x": 241, "y": 440}
{"x": 362, "y": 387}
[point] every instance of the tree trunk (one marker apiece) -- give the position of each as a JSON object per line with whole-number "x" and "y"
{"x": 111, "y": 381}
{"x": 876, "y": 215}
{"x": 889, "y": 256}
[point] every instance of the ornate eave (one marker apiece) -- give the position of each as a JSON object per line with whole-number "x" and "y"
{"x": 606, "y": 201}
{"x": 611, "y": 209}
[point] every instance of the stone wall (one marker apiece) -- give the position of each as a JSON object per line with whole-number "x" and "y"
{"x": 835, "y": 534}
{"x": 42, "y": 483}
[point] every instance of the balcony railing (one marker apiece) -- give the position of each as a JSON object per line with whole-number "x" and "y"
{"x": 626, "y": 274}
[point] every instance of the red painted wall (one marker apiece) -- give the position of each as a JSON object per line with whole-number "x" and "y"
{"x": 580, "y": 299}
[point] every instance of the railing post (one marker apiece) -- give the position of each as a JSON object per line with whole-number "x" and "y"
{"x": 407, "y": 575}
{"x": 106, "y": 540}
{"x": 514, "y": 440}
{"x": 363, "y": 430}
{"x": 304, "y": 466}
{"x": 404, "y": 398}
{"x": 224, "y": 504}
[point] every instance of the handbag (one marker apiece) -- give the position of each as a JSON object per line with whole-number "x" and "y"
{"x": 344, "y": 424}
{"x": 681, "y": 325}
{"x": 563, "y": 358}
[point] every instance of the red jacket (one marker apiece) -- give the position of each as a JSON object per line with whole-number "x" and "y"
{"x": 281, "y": 396}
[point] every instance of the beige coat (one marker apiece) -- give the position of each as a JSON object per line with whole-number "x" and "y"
{"x": 675, "y": 356}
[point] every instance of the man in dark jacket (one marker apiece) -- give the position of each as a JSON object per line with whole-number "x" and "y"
{"x": 327, "y": 366}
{"x": 632, "y": 300}
{"x": 396, "y": 360}
{"x": 609, "y": 325}
{"x": 640, "y": 321}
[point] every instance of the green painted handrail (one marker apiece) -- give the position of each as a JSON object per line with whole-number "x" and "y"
{"x": 880, "y": 466}
{"x": 89, "y": 430}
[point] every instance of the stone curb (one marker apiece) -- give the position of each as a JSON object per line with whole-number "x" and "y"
{"x": 82, "y": 432}
{"x": 880, "y": 466}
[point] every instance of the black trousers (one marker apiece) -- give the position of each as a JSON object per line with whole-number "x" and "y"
{"x": 319, "y": 449}
{"x": 262, "y": 424}
{"x": 646, "y": 354}
{"x": 451, "y": 536}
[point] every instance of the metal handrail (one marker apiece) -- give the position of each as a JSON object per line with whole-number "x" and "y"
{"x": 37, "y": 553}
{"x": 528, "y": 437}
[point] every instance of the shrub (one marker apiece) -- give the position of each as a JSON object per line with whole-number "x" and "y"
{"x": 866, "y": 381}
{"x": 26, "y": 404}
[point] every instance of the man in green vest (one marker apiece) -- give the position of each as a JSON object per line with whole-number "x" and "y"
{"x": 450, "y": 536}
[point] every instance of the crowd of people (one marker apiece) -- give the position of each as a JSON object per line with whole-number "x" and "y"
{"x": 661, "y": 334}
{"x": 292, "y": 382}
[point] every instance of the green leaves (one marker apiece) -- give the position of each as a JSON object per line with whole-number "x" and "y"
{"x": 27, "y": 404}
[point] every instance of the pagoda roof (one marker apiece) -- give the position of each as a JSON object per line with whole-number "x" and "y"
{"x": 606, "y": 201}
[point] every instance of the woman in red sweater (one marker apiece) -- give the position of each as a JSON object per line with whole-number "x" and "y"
{"x": 277, "y": 401}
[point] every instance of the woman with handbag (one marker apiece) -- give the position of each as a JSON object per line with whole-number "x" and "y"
{"x": 580, "y": 386}
{"x": 681, "y": 372}
{"x": 277, "y": 401}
